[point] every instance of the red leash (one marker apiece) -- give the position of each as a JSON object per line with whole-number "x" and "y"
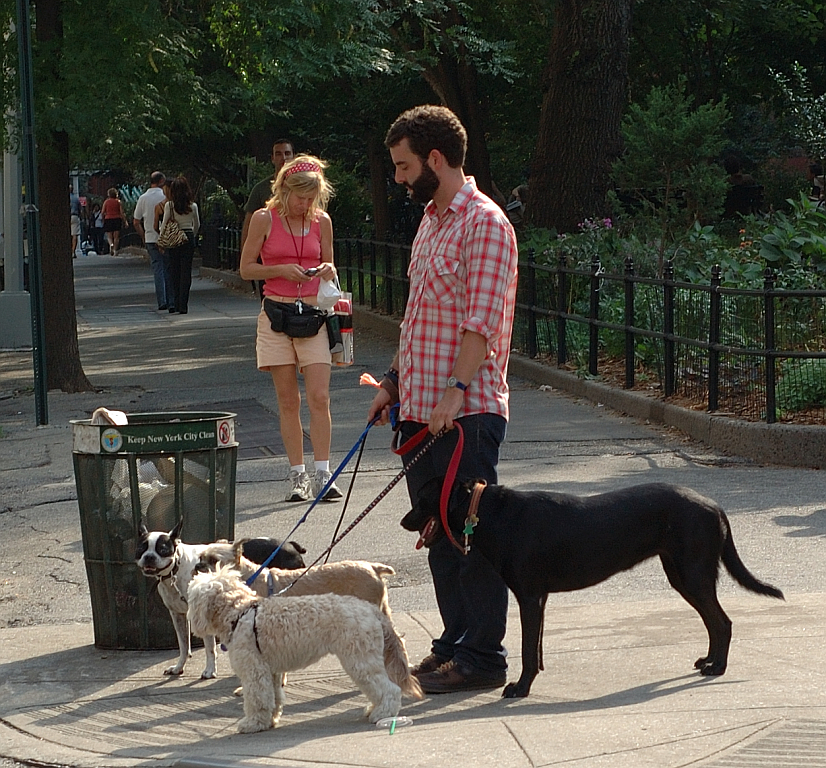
{"x": 450, "y": 477}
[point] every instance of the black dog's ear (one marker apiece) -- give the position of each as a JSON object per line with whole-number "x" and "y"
{"x": 298, "y": 547}
{"x": 175, "y": 533}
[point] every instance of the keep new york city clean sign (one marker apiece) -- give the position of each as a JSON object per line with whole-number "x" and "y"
{"x": 156, "y": 433}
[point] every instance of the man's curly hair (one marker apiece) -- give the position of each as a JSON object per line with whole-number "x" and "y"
{"x": 430, "y": 127}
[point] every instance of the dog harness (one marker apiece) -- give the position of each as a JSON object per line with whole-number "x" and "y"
{"x": 254, "y": 609}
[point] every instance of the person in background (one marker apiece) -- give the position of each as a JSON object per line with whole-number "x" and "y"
{"x": 736, "y": 177}
{"x": 282, "y": 152}
{"x": 816, "y": 178}
{"x": 96, "y": 228}
{"x": 74, "y": 219}
{"x": 290, "y": 235}
{"x": 451, "y": 368}
{"x": 144, "y": 221}
{"x": 183, "y": 208}
{"x": 114, "y": 219}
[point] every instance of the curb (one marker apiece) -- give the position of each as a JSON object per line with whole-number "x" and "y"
{"x": 784, "y": 444}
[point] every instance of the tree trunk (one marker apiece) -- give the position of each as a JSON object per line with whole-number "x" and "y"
{"x": 584, "y": 95}
{"x": 63, "y": 368}
{"x": 455, "y": 83}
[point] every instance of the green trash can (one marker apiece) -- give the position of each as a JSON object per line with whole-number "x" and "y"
{"x": 158, "y": 468}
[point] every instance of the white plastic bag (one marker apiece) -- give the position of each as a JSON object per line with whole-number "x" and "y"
{"x": 329, "y": 292}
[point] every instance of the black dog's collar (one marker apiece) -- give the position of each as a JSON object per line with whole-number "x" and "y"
{"x": 472, "y": 519}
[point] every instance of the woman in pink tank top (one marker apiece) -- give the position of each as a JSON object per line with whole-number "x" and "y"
{"x": 290, "y": 248}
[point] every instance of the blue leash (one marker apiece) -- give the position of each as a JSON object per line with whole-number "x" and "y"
{"x": 249, "y": 582}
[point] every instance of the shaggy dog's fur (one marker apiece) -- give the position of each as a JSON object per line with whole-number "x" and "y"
{"x": 542, "y": 542}
{"x": 266, "y": 638}
{"x": 344, "y": 577}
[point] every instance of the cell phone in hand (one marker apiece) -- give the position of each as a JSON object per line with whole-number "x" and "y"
{"x": 311, "y": 272}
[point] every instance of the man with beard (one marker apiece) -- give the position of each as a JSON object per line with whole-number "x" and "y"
{"x": 451, "y": 369}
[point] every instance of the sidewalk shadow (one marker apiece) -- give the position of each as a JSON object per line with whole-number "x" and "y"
{"x": 813, "y": 524}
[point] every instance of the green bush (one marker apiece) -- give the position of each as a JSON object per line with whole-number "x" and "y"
{"x": 802, "y": 384}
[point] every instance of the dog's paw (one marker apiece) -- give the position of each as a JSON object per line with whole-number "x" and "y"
{"x": 251, "y": 725}
{"x": 515, "y": 691}
{"x": 174, "y": 670}
{"x": 209, "y": 674}
{"x": 239, "y": 691}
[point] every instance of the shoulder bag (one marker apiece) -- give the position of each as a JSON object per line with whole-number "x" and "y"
{"x": 171, "y": 235}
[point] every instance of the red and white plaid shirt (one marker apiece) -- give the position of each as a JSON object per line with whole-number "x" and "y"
{"x": 463, "y": 271}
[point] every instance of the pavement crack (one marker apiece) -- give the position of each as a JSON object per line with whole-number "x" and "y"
{"x": 519, "y": 744}
{"x": 53, "y": 577}
{"x": 56, "y": 557}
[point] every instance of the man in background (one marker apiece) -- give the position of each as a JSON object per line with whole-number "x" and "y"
{"x": 282, "y": 152}
{"x": 144, "y": 221}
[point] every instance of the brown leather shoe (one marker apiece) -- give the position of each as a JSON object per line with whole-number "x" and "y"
{"x": 428, "y": 664}
{"x": 452, "y": 677}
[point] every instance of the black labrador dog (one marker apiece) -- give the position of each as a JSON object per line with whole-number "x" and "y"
{"x": 541, "y": 542}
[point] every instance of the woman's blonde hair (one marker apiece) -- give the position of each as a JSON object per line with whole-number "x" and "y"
{"x": 303, "y": 175}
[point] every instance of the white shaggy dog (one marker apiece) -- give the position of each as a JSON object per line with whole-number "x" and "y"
{"x": 344, "y": 577}
{"x": 266, "y": 638}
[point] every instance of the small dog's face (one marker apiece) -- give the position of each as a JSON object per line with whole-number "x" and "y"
{"x": 156, "y": 549}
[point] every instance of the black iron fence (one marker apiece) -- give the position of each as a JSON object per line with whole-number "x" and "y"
{"x": 754, "y": 354}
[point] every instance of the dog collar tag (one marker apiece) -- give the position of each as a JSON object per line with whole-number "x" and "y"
{"x": 468, "y": 529}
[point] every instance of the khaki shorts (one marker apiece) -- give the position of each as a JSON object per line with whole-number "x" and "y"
{"x": 74, "y": 223}
{"x": 273, "y": 348}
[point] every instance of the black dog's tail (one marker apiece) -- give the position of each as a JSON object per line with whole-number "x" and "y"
{"x": 741, "y": 574}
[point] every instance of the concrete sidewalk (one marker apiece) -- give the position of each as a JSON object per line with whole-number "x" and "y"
{"x": 618, "y": 688}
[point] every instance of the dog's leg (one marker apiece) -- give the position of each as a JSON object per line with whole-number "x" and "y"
{"x": 278, "y": 680}
{"x": 184, "y": 652}
{"x": 209, "y": 671}
{"x": 259, "y": 694}
{"x": 698, "y": 587}
{"x": 532, "y": 615}
{"x": 365, "y": 665}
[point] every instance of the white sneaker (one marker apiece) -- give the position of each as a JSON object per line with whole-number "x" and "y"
{"x": 320, "y": 479}
{"x": 299, "y": 486}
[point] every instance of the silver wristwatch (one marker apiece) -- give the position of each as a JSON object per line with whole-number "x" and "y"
{"x": 454, "y": 382}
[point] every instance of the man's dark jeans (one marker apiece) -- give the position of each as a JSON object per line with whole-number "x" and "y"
{"x": 472, "y": 598}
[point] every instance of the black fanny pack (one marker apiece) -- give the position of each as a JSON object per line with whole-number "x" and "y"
{"x": 286, "y": 318}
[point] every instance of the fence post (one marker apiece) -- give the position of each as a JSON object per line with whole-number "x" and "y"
{"x": 771, "y": 371}
{"x": 668, "y": 326}
{"x": 593, "y": 315}
{"x": 562, "y": 308}
{"x": 714, "y": 340}
{"x": 388, "y": 279}
{"x": 360, "y": 269}
{"x": 374, "y": 301}
{"x": 531, "y": 290}
{"x": 629, "y": 322}
{"x": 347, "y": 283}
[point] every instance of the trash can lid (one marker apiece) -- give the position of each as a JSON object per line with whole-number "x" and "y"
{"x": 156, "y": 433}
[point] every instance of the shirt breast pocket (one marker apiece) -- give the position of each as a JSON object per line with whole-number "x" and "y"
{"x": 443, "y": 280}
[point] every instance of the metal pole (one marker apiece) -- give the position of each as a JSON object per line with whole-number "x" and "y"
{"x": 31, "y": 211}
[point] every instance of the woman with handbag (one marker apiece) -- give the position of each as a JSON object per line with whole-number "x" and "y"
{"x": 182, "y": 210}
{"x": 114, "y": 219}
{"x": 293, "y": 235}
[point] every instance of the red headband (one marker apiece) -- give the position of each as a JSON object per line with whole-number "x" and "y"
{"x": 303, "y": 166}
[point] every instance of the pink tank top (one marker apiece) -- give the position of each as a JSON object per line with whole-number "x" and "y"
{"x": 283, "y": 248}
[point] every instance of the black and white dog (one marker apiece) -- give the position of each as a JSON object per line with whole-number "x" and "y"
{"x": 165, "y": 557}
